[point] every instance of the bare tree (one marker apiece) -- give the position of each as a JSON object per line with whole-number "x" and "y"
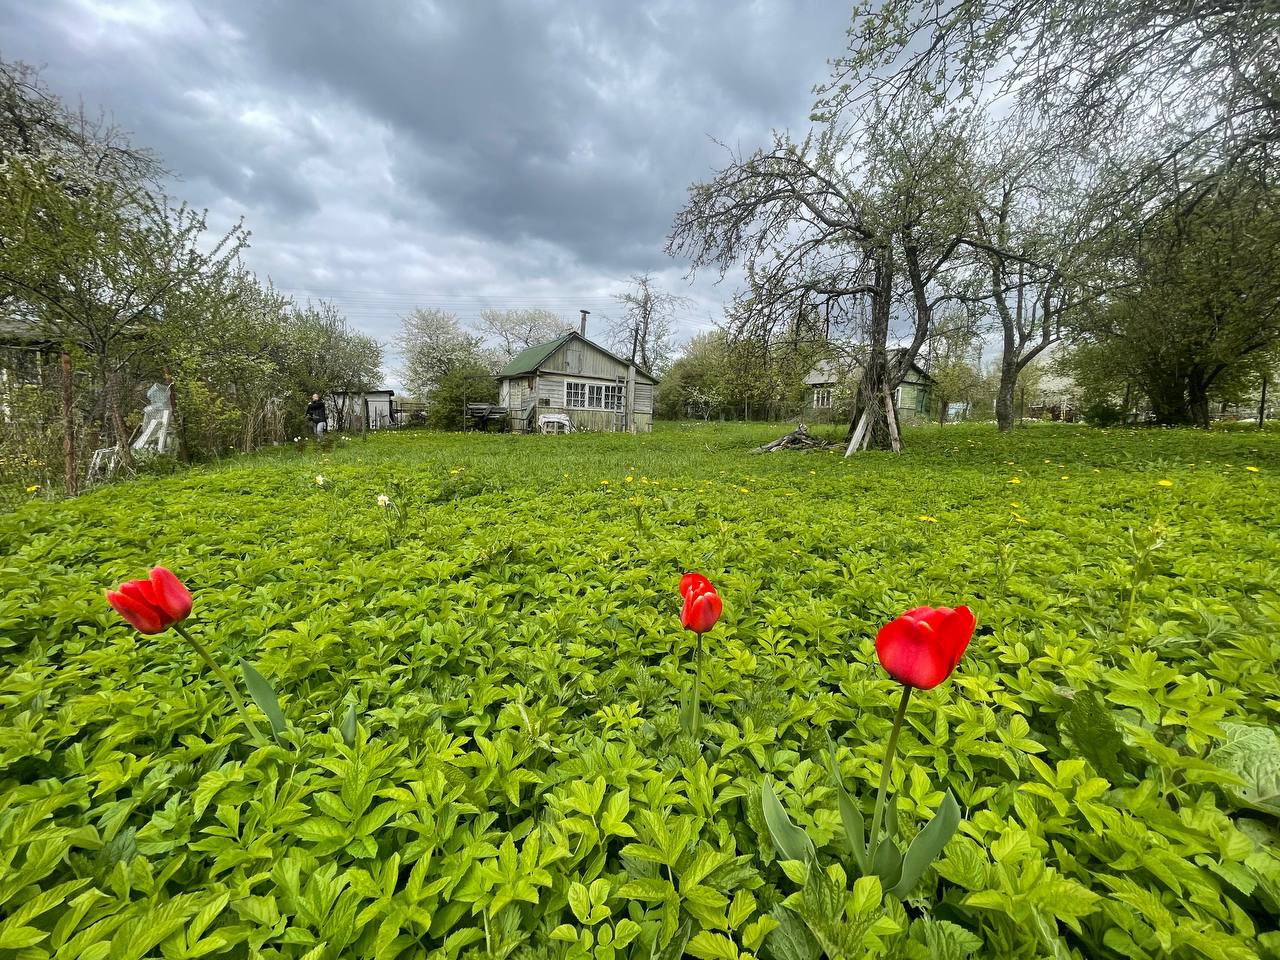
{"x": 644, "y": 332}
{"x": 1163, "y": 86}
{"x": 34, "y": 123}
{"x": 857, "y": 226}
{"x": 1043, "y": 206}
{"x": 513, "y": 330}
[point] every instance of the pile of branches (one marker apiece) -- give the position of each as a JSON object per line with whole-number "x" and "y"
{"x": 798, "y": 439}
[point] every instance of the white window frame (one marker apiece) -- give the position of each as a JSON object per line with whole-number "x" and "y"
{"x": 595, "y": 395}
{"x": 822, "y": 398}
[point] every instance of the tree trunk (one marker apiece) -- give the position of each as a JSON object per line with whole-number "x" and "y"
{"x": 1262, "y": 403}
{"x": 872, "y": 426}
{"x": 118, "y": 425}
{"x": 1198, "y": 405}
{"x": 869, "y": 427}
{"x": 1169, "y": 401}
{"x": 1004, "y": 395}
{"x": 72, "y": 479}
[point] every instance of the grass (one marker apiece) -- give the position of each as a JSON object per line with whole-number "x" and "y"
{"x": 507, "y": 636}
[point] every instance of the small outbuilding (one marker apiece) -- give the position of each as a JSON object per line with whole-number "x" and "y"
{"x": 576, "y": 381}
{"x": 358, "y": 410}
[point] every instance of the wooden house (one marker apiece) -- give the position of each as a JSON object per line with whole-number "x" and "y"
{"x": 576, "y": 382}
{"x": 824, "y": 381}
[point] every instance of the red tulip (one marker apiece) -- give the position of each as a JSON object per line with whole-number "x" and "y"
{"x": 922, "y": 647}
{"x": 702, "y": 605}
{"x": 152, "y": 605}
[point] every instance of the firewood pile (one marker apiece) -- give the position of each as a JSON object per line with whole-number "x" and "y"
{"x": 798, "y": 439}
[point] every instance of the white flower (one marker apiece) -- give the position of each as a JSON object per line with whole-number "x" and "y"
{"x": 384, "y": 501}
{"x": 320, "y": 480}
{"x": 296, "y": 439}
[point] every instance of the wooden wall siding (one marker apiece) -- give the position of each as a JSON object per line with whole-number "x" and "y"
{"x": 578, "y": 359}
{"x": 551, "y": 389}
{"x": 644, "y": 398}
{"x": 913, "y": 398}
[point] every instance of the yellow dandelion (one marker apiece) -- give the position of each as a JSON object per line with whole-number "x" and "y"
{"x": 1015, "y": 480}
{"x": 1164, "y": 483}
{"x": 1252, "y": 469}
{"x": 1064, "y": 477}
{"x": 33, "y": 488}
{"x": 743, "y": 490}
{"x": 1017, "y": 518}
{"x": 604, "y": 483}
{"x": 927, "y": 519}
{"x": 629, "y": 478}
{"x": 813, "y": 473}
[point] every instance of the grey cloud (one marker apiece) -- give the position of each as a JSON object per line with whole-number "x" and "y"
{"x": 449, "y": 149}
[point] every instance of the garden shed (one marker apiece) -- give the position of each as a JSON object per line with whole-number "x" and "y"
{"x": 576, "y": 380}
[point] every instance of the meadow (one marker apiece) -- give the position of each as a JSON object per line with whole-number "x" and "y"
{"x": 482, "y": 753}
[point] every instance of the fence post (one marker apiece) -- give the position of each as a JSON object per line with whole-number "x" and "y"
{"x": 69, "y": 426}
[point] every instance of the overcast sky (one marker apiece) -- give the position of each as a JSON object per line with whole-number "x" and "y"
{"x": 459, "y": 154}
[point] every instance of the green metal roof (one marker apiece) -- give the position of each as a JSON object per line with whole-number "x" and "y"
{"x": 530, "y": 358}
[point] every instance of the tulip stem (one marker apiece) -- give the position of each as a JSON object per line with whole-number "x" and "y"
{"x": 697, "y": 684}
{"x": 221, "y": 675}
{"x": 890, "y": 750}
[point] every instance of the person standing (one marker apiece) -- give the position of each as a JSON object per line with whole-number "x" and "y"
{"x": 318, "y": 416}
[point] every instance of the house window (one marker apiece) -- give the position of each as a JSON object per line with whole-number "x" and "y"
{"x": 593, "y": 396}
{"x": 822, "y": 398}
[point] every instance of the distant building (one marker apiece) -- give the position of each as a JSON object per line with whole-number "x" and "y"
{"x": 28, "y": 359}
{"x": 828, "y": 379}
{"x": 572, "y": 381}
{"x": 1054, "y": 399}
{"x": 374, "y": 409}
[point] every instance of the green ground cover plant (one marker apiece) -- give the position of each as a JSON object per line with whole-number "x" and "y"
{"x": 480, "y": 751}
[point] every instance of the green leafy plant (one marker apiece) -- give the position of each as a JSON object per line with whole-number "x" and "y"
{"x": 486, "y": 715}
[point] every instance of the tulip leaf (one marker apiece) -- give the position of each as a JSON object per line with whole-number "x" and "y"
{"x": 888, "y": 863}
{"x": 891, "y": 818}
{"x": 791, "y": 842}
{"x": 854, "y": 825}
{"x": 347, "y": 725}
{"x": 928, "y": 844}
{"x": 265, "y": 697}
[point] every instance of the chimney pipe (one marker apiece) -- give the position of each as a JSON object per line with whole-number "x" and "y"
{"x": 582, "y": 327}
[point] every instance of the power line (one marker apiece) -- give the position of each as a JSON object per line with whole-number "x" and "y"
{"x": 468, "y": 298}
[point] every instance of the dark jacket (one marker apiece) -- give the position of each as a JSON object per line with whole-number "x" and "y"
{"x": 316, "y": 412}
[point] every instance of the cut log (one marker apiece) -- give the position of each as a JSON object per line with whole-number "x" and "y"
{"x": 798, "y": 439}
